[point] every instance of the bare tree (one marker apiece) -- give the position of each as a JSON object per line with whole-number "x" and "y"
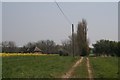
{"x": 8, "y": 46}
{"x": 66, "y": 46}
{"x": 48, "y": 46}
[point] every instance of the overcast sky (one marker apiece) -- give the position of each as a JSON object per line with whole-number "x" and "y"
{"x": 24, "y": 22}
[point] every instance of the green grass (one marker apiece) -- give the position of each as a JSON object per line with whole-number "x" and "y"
{"x": 54, "y": 66}
{"x": 0, "y": 67}
{"x": 81, "y": 70}
{"x": 47, "y": 66}
{"x": 104, "y": 67}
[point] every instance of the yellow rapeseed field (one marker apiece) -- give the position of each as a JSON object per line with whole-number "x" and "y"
{"x": 20, "y": 54}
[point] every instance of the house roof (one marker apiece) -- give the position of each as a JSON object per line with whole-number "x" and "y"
{"x": 37, "y": 49}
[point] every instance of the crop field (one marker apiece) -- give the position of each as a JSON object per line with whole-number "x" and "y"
{"x": 54, "y": 66}
{"x": 34, "y": 66}
{"x": 105, "y": 67}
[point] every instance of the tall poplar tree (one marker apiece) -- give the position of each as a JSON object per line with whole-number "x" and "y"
{"x": 82, "y": 45}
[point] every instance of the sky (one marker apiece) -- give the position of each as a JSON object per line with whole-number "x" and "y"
{"x": 118, "y": 22}
{"x": 0, "y": 22}
{"x": 24, "y": 22}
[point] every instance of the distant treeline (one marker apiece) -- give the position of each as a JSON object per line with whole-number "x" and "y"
{"x": 47, "y": 46}
{"x": 101, "y": 47}
{"x": 106, "y": 47}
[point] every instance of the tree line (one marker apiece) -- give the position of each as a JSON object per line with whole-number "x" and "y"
{"x": 106, "y": 47}
{"x": 101, "y": 47}
{"x": 47, "y": 46}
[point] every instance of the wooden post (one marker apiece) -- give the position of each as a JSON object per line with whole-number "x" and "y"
{"x": 73, "y": 39}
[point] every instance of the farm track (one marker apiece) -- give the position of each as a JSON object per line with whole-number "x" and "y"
{"x": 89, "y": 70}
{"x": 69, "y": 73}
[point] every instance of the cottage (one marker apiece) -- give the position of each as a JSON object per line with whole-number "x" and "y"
{"x": 37, "y": 50}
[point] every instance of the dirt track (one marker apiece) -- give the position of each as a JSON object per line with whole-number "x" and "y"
{"x": 69, "y": 73}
